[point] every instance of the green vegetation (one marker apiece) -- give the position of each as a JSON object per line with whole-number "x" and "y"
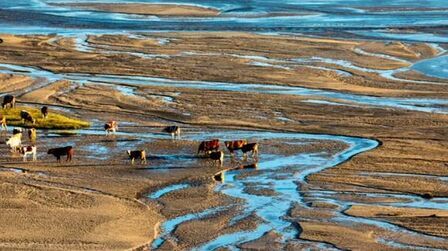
{"x": 53, "y": 121}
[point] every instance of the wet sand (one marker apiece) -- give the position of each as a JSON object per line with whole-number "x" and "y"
{"x": 163, "y": 10}
{"x": 103, "y": 203}
{"x": 231, "y": 57}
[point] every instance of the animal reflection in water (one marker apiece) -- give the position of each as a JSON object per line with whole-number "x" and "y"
{"x": 220, "y": 177}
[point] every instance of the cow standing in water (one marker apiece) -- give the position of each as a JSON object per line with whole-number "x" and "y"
{"x": 15, "y": 141}
{"x": 28, "y": 150}
{"x": 252, "y": 147}
{"x": 233, "y": 146}
{"x": 44, "y": 112}
{"x": 3, "y": 123}
{"x": 17, "y": 131}
{"x": 32, "y": 135}
{"x": 208, "y": 146}
{"x": 111, "y": 127}
{"x": 62, "y": 151}
{"x": 9, "y": 100}
{"x": 216, "y": 157}
{"x": 173, "y": 130}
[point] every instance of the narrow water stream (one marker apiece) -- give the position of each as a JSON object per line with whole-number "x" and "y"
{"x": 414, "y": 104}
{"x": 284, "y": 176}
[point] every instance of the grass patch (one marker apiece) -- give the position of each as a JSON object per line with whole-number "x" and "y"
{"x": 53, "y": 121}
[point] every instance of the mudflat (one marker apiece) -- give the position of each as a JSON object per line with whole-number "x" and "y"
{"x": 388, "y": 196}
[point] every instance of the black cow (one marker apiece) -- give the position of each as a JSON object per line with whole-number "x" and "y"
{"x": 216, "y": 157}
{"x": 173, "y": 130}
{"x": 44, "y": 111}
{"x": 139, "y": 154}
{"x": 9, "y": 100}
{"x": 17, "y": 131}
{"x": 62, "y": 151}
{"x": 252, "y": 147}
{"x": 26, "y": 117}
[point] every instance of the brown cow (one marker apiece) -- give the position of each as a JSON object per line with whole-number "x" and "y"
{"x": 252, "y": 147}
{"x": 139, "y": 154}
{"x": 235, "y": 145}
{"x": 205, "y": 146}
{"x": 111, "y": 127}
{"x": 62, "y": 151}
{"x": 3, "y": 123}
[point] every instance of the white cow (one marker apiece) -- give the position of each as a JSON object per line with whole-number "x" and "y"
{"x": 15, "y": 141}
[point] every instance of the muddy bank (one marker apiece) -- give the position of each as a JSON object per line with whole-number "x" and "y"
{"x": 264, "y": 205}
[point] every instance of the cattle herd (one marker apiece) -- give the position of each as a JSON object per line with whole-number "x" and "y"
{"x": 208, "y": 149}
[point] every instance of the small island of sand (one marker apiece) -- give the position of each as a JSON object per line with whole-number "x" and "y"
{"x": 165, "y": 10}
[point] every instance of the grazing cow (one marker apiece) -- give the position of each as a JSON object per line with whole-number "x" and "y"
{"x": 28, "y": 150}
{"x": 44, "y": 111}
{"x": 139, "y": 154}
{"x": 26, "y": 117}
{"x": 3, "y": 122}
{"x": 111, "y": 127}
{"x": 216, "y": 157}
{"x": 206, "y": 146}
{"x": 32, "y": 134}
{"x": 9, "y": 100}
{"x": 235, "y": 145}
{"x": 15, "y": 142}
{"x": 62, "y": 151}
{"x": 173, "y": 130}
{"x": 252, "y": 147}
